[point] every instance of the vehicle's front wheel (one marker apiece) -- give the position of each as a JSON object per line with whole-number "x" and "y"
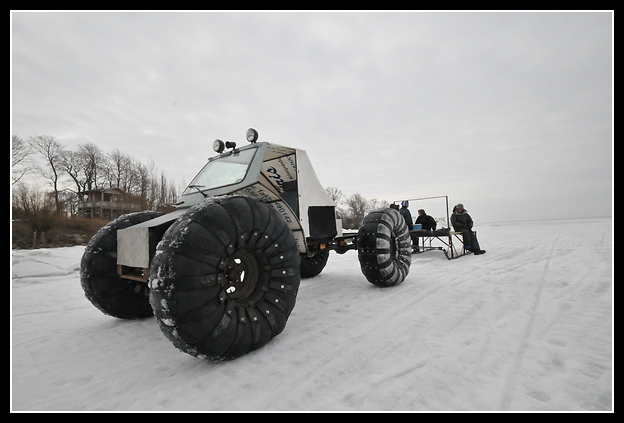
{"x": 225, "y": 276}
{"x": 384, "y": 248}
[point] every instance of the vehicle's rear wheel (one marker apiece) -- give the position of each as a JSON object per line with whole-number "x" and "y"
{"x": 115, "y": 296}
{"x": 384, "y": 248}
{"x": 224, "y": 278}
{"x": 314, "y": 265}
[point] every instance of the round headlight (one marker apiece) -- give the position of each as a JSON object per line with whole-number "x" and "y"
{"x": 252, "y": 135}
{"x": 218, "y": 146}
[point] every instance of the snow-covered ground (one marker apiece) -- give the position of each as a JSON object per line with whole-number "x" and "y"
{"x": 527, "y": 326}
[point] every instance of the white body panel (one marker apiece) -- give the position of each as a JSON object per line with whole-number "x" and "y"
{"x": 311, "y": 192}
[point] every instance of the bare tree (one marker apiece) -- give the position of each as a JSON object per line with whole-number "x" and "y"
{"x": 20, "y": 158}
{"x": 72, "y": 165}
{"x": 167, "y": 193}
{"x": 121, "y": 172}
{"x": 34, "y": 207}
{"x": 153, "y": 186}
{"x": 52, "y": 152}
{"x": 335, "y": 194}
{"x": 357, "y": 206}
{"x": 144, "y": 184}
{"x": 375, "y": 204}
{"x": 94, "y": 165}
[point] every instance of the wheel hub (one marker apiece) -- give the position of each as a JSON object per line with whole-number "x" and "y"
{"x": 241, "y": 275}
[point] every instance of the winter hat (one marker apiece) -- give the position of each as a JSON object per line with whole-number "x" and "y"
{"x": 404, "y": 203}
{"x": 459, "y": 206}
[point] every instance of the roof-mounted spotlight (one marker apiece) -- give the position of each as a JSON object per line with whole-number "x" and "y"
{"x": 252, "y": 135}
{"x": 220, "y": 146}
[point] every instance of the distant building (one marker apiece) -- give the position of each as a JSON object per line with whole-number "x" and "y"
{"x": 106, "y": 203}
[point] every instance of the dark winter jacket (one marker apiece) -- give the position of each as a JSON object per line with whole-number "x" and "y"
{"x": 407, "y": 216}
{"x": 461, "y": 221}
{"x": 428, "y": 223}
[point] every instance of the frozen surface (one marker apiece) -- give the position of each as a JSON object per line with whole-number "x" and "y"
{"x": 527, "y": 326}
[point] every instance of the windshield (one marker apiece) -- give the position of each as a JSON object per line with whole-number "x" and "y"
{"x": 223, "y": 171}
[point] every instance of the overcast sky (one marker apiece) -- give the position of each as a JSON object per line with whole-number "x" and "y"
{"x": 509, "y": 113}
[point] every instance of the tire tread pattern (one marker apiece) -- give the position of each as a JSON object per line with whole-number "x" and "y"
{"x": 114, "y": 296}
{"x": 187, "y": 278}
{"x": 384, "y": 248}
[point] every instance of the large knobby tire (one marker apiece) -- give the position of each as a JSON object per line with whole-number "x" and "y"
{"x": 224, "y": 279}
{"x": 314, "y": 265}
{"x": 384, "y": 248}
{"x": 115, "y": 296}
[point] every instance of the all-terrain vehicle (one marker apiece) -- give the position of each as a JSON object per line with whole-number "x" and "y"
{"x": 221, "y": 271}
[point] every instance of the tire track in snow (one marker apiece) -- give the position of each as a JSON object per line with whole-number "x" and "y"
{"x": 30, "y": 313}
{"x": 50, "y": 268}
{"x": 524, "y": 343}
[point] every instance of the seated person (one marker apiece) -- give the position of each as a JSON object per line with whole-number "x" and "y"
{"x": 428, "y": 224}
{"x": 462, "y": 222}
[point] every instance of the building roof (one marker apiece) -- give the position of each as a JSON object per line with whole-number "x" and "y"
{"x": 112, "y": 190}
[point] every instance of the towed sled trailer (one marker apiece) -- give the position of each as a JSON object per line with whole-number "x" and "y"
{"x": 452, "y": 240}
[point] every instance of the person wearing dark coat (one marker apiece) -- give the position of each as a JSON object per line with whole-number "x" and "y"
{"x": 428, "y": 223}
{"x": 406, "y": 214}
{"x": 462, "y": 222}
